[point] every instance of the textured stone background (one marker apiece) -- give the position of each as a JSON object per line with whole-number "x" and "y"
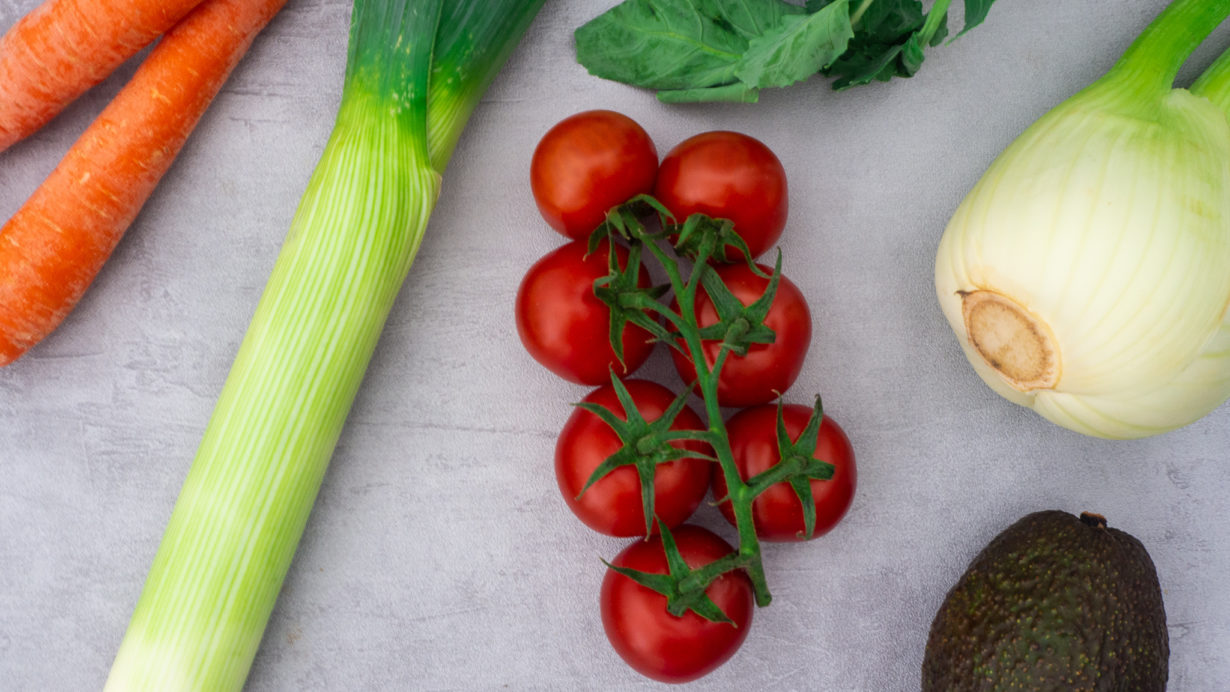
{"x": 439, "y": 554}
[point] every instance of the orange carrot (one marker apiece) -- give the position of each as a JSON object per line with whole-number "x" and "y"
{"x": 57, "y": 242}
{"x": 63, "y": 47}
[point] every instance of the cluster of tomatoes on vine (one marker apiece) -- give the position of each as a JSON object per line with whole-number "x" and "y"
{"x": 634, "y": 459}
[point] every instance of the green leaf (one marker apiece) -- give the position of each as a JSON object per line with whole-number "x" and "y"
{"x": 857, "y": 70}
{"x": 975, "y": 13}
{"x": 935, "y": 28}
{"x": 881, "y": 34}
{"x": 727, "y": 50}
{"x": 888, "y": 21}
{"x": 797, "y": 48}
{"x": 911, "y": 56}
{"x": 674, "y": 44}
{"x": 890, "y": 42}
{"x": 941, "y": 32}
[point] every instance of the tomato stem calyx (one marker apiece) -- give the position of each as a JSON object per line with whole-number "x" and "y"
{"x": 645, "y": 443}
{"x": 683, "y": 587}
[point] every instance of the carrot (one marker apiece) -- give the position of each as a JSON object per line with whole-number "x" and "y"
{"x": 55, "y": 244}
{"x": 63, "y": 47}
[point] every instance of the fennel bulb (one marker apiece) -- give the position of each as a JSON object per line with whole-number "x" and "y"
{"x": 1087, "y": 274}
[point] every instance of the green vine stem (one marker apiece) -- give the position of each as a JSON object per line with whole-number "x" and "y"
{"x": 701, "y": 239}
{"x": 748, "y": 555}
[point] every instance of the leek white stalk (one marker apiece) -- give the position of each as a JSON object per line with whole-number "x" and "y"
{"x": 1087, "y": 274}
{"x": 246, "y": 500}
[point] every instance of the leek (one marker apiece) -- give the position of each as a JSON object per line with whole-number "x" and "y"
{"x": 1087, "y": 274}
{"x": 415, "y": 71}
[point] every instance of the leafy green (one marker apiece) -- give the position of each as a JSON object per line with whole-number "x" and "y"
{"x": 676, "y": 44}
{"x": 727, "y": 50}
{"x": 975, "y": 13}
{"x": 798, "y": 47}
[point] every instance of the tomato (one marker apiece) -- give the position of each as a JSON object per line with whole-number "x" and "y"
{"x": 767, "y": 368}
{"x": 777, "y": 513}
{"x": 727, "y": 175}
{"x": 565, "y": 327}
{"x": 588, "y": 163}
{"x": 658, "y": 644}
{"x": 613, "y": 505}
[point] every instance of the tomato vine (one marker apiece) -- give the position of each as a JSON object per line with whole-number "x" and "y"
{"x": 699, "y": 239}
{"x": 634, "y": 458}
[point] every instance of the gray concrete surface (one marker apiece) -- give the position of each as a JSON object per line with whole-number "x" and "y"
{"x": 440, "y": 555}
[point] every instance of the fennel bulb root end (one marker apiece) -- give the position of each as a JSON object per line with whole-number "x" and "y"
{"x": 1012, "y": 341}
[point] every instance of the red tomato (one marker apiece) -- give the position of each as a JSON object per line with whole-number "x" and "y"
{"x": 658, "y": 644}
{"x": 588, "y": 163}
{"x": 777, "y": 513}
{"x": 767, "y": 368}
{"x": 565, "y": 327}
{"x": 727, "y": 175}
{"x": 613, "y": 505}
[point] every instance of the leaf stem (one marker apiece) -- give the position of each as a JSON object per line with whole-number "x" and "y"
{"x": 937, "y": 14}
{"x": 857, "y": 15}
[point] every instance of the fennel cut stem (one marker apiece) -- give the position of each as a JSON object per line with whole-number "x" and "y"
{"x": 1152, "y": 61}
{"x": 234, "y": 529}
{"x": 1214, "y": 83}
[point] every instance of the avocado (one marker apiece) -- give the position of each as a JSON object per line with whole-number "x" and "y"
{"x": 1055, "y": 602}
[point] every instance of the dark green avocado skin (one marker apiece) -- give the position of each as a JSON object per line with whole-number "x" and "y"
{"x": 1055, "y": 602}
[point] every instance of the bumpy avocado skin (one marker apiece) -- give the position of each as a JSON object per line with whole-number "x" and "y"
{"x": 1055, "y": 602}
